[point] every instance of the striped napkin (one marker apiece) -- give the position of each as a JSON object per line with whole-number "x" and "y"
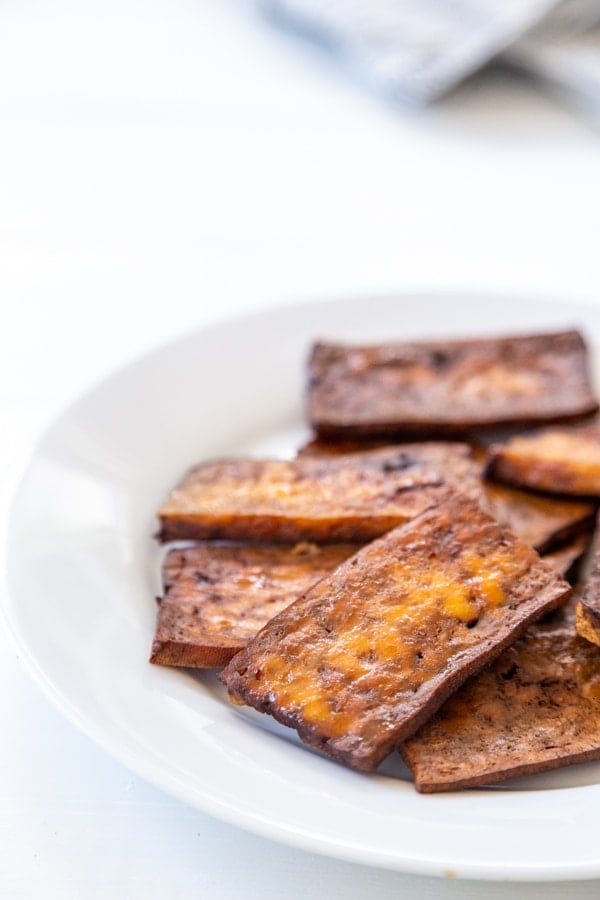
{"x": 418, "y": 50}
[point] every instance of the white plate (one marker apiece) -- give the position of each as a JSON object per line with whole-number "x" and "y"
{"x": 83, "y": 574}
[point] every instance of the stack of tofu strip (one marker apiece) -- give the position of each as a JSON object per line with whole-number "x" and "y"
{"x": 405, "y": 583}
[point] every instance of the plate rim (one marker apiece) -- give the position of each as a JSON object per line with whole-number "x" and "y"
{"x": 151, "y": 770}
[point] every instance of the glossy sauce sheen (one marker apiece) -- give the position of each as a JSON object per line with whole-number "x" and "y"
{"x": 370, "y": 651}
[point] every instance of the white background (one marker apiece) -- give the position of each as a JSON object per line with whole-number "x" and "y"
{"x": 166, "y": 163}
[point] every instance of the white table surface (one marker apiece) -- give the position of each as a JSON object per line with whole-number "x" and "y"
{"x": 165, "y": 163}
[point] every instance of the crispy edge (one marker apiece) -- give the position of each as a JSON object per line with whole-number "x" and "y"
{"x": 283, "y": 530}
{"x": 192, "y": 656}
{"x": 429, "y": 786}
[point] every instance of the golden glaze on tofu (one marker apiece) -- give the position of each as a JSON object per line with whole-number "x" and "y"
{"x": 284, "y": 501}
{"x": 536, "y": 708}
{"x": 372, "y": 650}
{"x": 441, "y": 387}
{"x": 218, "y": 596}
{"x": 565, "y": 461}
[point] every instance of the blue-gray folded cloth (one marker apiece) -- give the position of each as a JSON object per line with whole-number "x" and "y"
{"x": 417, "y": 50}
{"x": 564, "y": 51}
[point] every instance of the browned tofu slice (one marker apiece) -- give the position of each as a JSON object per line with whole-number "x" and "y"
{"x": 536, "y": 708}
{"x": 284, "y": 501}
{"x": 560, "y": 461}
{"x": 441, "y": 387}
{"x": 218, "y": 596}
{"x": 543, "y": 522}
{"x": 371, "y": 651}
{"x": 587, "y": 613}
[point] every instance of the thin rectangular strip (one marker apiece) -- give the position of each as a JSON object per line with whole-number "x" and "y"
{"x": 562, "y": 461}
{"x": 218, "y": 596}
{"x": 448, "y": 387}
{"x": 536, "y": 708}
{"x": 345, "y": 499}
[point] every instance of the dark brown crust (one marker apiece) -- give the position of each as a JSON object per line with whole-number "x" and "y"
{"x": 536, "y": 708}
{"x": 559, "y": 461}
{"x": 347, "y": 499}
{"x": 370, "y": 652}
{"x": 217, "y": 597}
{"x": 448, "y": 387}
